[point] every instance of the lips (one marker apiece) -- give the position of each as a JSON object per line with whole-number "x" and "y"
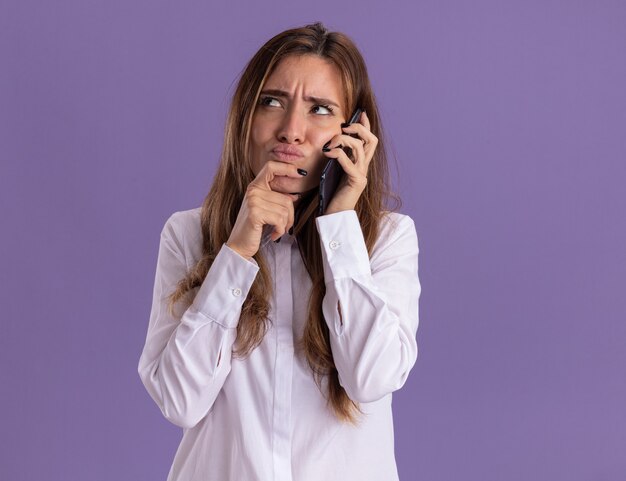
{"x": 287, "y": 153}
{"x": 285, "y": 157}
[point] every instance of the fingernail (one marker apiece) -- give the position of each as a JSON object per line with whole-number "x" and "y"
{"x": 325, "y": 149}
{"x": 326, "y": 146}
{"x": 302, "y": 172}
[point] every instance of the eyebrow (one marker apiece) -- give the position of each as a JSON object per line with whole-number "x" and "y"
{"x": 316, "y": 100}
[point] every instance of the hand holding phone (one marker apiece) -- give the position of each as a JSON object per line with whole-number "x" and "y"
{"x": 333, "y": 173}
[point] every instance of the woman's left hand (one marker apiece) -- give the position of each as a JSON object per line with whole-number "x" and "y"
{"x": 355, "y": 179}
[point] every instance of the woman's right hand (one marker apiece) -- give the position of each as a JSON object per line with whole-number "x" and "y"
{"x": 260, "y": 206}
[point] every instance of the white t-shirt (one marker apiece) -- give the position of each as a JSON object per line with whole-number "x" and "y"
{"x": 263, "y": 417}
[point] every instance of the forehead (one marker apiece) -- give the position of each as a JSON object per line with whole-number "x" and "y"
{"x": 317, "y": 76}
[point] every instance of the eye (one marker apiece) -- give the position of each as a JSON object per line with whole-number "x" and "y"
{"x": 327, "y": 107}
{"x": 266, "y": 100}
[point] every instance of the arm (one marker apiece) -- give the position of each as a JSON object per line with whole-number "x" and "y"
{"x": 371, "y": 306}
{"x": 186, "y": 359}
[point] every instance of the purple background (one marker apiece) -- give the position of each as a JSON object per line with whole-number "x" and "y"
{"x": 508, "y": 123}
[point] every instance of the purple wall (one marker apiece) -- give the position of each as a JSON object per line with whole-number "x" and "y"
{"x": 508, "y": 123}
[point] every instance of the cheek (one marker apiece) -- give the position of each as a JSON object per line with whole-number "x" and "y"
{"x": 324, "y": 136}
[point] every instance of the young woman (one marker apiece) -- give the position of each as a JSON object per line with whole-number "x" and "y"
{"x": 278, "y": 334}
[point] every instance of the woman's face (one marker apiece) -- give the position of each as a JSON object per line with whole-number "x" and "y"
{"x": 300, "y": 107}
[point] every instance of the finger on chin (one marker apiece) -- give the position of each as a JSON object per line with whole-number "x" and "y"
{"x": 281, "y": 185}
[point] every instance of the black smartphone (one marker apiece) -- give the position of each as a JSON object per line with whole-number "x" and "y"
{"x": 333, "y": 172}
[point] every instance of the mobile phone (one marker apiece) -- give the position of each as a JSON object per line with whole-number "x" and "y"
{"x": 333, "y": 173}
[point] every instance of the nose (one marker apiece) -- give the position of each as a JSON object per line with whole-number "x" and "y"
{"x": 292, "y": 127}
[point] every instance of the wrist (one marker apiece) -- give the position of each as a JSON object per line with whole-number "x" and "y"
{"x": 338, "y": 205}
{"x": 238, "y": 251}
{"x": 337, "y": 209}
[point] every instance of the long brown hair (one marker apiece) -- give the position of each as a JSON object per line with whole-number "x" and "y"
{"x": 221, "y": 205}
